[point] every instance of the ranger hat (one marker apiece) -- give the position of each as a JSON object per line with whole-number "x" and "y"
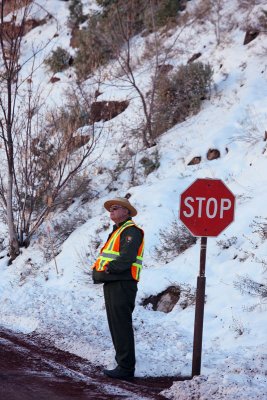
{"x": 120, "y": 201}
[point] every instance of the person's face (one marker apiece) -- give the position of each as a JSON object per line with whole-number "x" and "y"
{"x": 118, "y": 214}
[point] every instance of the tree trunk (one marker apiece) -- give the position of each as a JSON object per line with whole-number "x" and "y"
{"x": 13, "y": 238}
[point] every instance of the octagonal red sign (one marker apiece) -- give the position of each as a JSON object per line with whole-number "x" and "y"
{"x": 207, "y": 207}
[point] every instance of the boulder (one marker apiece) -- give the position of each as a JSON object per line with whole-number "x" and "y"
{"x": 195, "y": 160}
{"x": 164, "y": 301}
{"x": 212, "y": 154}
{"x": 106, "y": 110}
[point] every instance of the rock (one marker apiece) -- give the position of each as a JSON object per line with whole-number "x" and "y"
{"x": 194, "y": 57}
{"x": 195, "y": 160}
{"x": 250, "y": 35}
{"x": 164, "y": 301}
{"x": 106, "y": 110}
{"x": 54, "y": 79}
{"x": 11, "y": 31}
{"x": 212, "y": 154}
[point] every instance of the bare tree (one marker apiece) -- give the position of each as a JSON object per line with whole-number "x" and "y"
{"x": 120, "y": 35}
{"x": 41, "y": 151}
{"x": 121, "y": 28}
{"x": 10, "y": 42}
{"x": 52, "y": 154}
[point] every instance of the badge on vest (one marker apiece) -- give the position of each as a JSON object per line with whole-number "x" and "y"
{"x": 129, "y": 239}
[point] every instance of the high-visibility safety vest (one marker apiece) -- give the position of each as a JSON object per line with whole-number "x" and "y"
{"x": 111, "y": 251}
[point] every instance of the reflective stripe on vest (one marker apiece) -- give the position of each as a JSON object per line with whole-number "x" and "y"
{"x": 111, "y": 251}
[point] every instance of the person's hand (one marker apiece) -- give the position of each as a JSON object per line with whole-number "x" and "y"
{"x": 107, "y": 271}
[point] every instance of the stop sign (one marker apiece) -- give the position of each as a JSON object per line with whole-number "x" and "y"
{"x": 207, "y": 207}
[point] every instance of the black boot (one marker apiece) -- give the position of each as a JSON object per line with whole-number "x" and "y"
{"x": 119, "y": 373}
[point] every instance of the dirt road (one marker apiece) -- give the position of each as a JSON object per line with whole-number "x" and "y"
{"x": 31, "y": 369}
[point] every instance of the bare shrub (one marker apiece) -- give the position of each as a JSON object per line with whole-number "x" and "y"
{"x": 259, "y": 226}
{"x": 127, "y": 163}
{"x": 57, "y": 231}
{"x": 180, "y": 94}
{"x": 2, "y": 244}
{"x": 252, "y": 128}
{"x": 31, "y": 270}
{"x": 130, "y": 163}
{"x": 249, "y": 286}
{"x": 150, "y": 163}
{"x": 93, "y": 248}
{"x": 76, "y": 110}
{"x": 78, "y": 187}
{"x": 263, "y": 20}
{"x": 166, "y": 12}
{"x": 76, "y": 16}
{"x": 165, "y": 301}
{"x": 108, "y": 31}
{"x": 58, "y": 61}
{"x": 226, "y": 244}
{"x": 139, "y": 11}
{"x": 173, "y": 240}
{"x": 215, "y": 12}
{"x": 93, "y": 48}
{"x": 67, "y": 225}
{"x": 238, "y": 327}
{"x": 247, "y": 5}
{"x": 188, "y": 296}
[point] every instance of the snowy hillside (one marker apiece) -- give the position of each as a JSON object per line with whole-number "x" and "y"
{"x": 68, "y": 308}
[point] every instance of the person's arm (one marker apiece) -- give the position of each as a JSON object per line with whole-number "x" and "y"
{"x": 130, "y": 241}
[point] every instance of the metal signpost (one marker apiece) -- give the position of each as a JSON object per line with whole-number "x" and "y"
{"x": 206, "y": 209}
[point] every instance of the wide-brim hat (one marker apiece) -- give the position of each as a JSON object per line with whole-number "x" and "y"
{"x": 121, "y": 201}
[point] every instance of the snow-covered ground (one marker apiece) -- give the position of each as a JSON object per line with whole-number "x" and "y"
{"x": 67, "y": 307}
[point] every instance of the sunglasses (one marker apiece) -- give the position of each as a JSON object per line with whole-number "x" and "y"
{"x": 114, "y": 208}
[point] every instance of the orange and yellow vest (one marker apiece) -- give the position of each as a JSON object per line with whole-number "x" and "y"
{"x": 111, "y": 251}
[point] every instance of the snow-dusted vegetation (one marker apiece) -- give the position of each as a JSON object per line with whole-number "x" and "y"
{"x": 164, "y": 99}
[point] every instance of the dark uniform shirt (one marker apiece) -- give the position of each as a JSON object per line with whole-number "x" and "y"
{"x": 120, "y": 269}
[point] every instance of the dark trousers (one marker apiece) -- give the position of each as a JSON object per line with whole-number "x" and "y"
{"x": 120, "y": 301}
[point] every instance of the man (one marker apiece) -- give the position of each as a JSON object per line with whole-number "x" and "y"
{"x": 118, "y": 266}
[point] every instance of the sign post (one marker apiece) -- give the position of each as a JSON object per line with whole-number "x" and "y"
{"x": 206, "y": 209}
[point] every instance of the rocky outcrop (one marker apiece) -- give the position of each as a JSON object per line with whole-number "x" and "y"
{"x": 106, "y": 110}
{"x": 11, "y": 31}
{"x": 164, "y": 301}
{"x": 250, "y": 35}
